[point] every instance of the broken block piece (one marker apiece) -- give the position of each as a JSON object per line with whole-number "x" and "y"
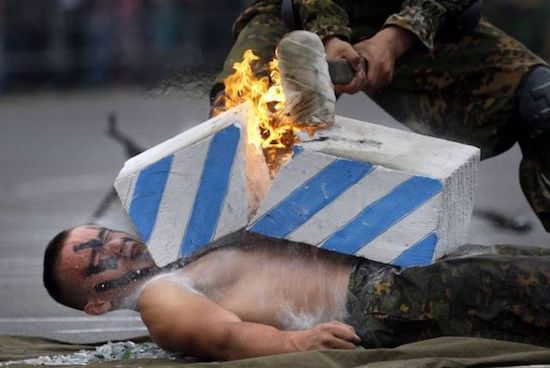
{"x": 381, "y": 193}
{"x": 193, "y": 188}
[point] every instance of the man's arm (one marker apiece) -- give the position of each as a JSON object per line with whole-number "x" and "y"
{"x": 418, "y": 20}
{"x": 325, "y": 18}
{"x": 381, "y": 52}
{"x": 424, "y": 18}
{"x": 331, "y": 23}
{"x": 184, "y": 321}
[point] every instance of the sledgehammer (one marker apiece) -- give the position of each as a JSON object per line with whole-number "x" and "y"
{"x": 307, "y": 78}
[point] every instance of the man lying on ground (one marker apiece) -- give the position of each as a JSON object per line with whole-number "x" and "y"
{"x": 263, "y": 296}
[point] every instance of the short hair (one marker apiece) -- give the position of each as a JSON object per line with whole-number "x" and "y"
{"x": 49, "y": 276}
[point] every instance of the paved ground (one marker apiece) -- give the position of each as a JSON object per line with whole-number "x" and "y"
{"x": 56, "y": 165}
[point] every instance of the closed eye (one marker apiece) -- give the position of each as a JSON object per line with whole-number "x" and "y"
{"x": 110, "y": 263}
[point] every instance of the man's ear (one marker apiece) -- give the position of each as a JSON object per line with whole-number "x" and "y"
{"x": 97, "y": 307}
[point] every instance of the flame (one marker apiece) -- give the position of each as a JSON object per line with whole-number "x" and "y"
{"x": 268, "y": 126}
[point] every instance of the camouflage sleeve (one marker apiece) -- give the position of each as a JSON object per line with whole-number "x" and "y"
{"x": 257, "y": 8}
{"x": 424, "y": 17}
{"x": 325, "y": 18}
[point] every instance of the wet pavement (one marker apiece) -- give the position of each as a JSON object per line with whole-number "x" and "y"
{"x": 57, "y": 164}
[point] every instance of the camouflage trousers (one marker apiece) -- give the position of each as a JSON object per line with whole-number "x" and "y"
{"x": 462, "y": 91}
{"x": 504, "y": 296}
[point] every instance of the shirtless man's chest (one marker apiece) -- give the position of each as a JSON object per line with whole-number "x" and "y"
{"x": 285, "y": 287}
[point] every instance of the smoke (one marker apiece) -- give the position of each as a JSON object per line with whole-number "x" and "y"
{"x": 195, "y": 86}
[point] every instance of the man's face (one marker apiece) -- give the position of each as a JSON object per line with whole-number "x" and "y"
{"x": 98, "y": 262}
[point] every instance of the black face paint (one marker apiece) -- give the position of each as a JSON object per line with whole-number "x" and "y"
{"x": 137, "y": 275}
{"x": 125, "y": 279}
{"x": 110, "y": 263}
{"x": 94, "y": 243}
{"x": 104, "y": 264}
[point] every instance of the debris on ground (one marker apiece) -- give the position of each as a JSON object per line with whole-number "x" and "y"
{"x": 108, "y": 352}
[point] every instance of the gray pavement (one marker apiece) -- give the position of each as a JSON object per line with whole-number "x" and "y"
{"x": 56, "y": 165}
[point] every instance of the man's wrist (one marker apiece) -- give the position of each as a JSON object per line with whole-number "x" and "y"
{"x": 295, "y": 340}
{"x": 400, "y": 39}
{"x": 334, "y": 39}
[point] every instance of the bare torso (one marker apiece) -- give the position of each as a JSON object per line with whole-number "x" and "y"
{"x": 286, "y": 287}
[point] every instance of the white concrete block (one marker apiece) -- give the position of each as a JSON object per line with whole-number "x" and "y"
{"x": 193, "y": 188}
{"x": 358, "y": 188}
{"x": 381, "y": 193}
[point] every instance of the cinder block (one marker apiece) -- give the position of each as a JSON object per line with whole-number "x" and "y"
{"x": 358, "y": 188}
{"x": 381, "y": 193}
{"x": 193, "y": 188}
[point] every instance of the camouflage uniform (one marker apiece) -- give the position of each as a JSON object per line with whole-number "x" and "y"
{"x": 462, "y": 90}
{"x": 529, "y": 24}
{"x": 504, "y": 296}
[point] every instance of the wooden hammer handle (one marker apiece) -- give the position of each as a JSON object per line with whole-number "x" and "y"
{"x": 341, "y": 72}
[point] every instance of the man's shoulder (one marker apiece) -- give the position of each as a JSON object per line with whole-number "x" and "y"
{"x": 165, "y": 287}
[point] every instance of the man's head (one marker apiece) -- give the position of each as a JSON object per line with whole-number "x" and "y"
{"x": 93, "y": 268}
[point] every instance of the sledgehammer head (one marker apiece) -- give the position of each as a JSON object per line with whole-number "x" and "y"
{"x": 305, "y": 79}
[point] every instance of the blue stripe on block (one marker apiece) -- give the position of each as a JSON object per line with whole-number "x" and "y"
{"x": 312, "y": 196}
{"x": 419, "y": 254}
{"x": 383, "y": 214}
{"x": 148, "y": 194}
{"x": 296, "y": 150}
{"x": 212, "y": 190}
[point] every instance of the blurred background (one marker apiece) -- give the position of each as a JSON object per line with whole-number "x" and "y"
{"x": 56, "y": 44}
{"x": 85, "y": 84}
{"x": 59, "y": 44}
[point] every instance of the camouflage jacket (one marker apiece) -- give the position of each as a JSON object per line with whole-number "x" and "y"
{"x": 355, "y": 20}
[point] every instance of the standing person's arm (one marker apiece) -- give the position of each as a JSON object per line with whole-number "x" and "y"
{"x": 258, "y": 28}
{"x": 325, "y": 18}
{"x": 381, "y": 52}
{"x": 183, "y": 321}
{"x": 418, "y": 20}
{"x": 331, "y": 23}
{"x": 424, "y": 18}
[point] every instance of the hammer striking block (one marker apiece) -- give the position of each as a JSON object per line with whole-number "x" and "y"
{"x": 193, "y": 188}
{"x": 381, "y": 193}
